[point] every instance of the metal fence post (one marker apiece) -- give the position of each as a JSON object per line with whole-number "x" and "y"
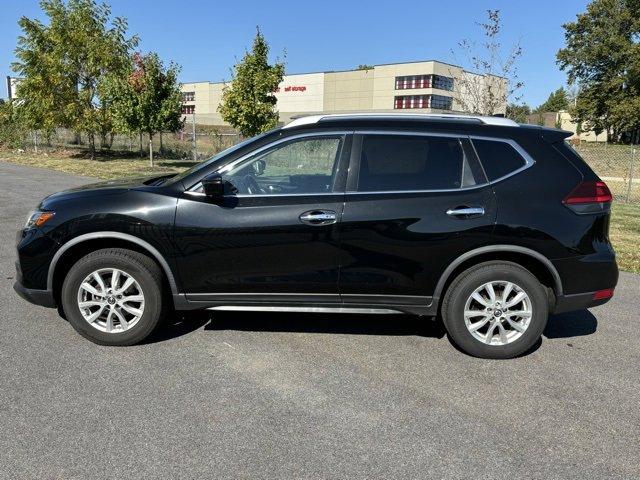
{"x": 633, "y": 157}
{"x": 195, "y": 146}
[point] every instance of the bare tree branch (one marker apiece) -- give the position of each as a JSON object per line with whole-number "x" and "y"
{"x": 493, "y": 80}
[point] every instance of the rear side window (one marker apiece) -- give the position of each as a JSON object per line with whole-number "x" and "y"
{"x": 498, "y": 158}
{"x": 404, "y": 162}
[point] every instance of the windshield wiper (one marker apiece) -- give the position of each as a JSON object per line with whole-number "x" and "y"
{"x": 156, "y": 181}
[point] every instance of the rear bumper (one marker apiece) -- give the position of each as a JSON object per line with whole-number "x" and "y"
{"x": 44, "y": 298}
{"x": 579, "y": 301}
{"x": 587, "y": 274}
{"x": 583, "y": 277}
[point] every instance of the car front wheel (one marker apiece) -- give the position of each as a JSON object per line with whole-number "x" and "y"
{"x": 495, "y": 310}
{"x": 114, "y": 296}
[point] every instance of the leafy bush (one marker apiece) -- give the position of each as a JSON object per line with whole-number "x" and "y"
{"x": 11, "y": 134}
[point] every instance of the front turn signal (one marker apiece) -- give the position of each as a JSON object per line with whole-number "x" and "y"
{"x": 37, "y": 219}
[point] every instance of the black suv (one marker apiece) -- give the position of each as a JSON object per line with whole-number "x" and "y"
{"x": 485, "y": 223}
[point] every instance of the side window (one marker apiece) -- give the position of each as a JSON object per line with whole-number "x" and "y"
{"x": 405, "y": 162}
{"x": 498, "y": 158}
{"x": 301, "y": 166}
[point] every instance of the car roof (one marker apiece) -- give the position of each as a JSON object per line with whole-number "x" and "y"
{"x": 416, "y": 117}
{"x": 467, "y": 124}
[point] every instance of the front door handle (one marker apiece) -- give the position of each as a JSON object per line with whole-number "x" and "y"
{"x": 318, "y": 217}
{"x": 466, "y": 212}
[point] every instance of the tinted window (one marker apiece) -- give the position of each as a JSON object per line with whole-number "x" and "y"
{"x": 300, "y": 166}
{"x": 498, "y": 158}
{"x": 398, "y": 162}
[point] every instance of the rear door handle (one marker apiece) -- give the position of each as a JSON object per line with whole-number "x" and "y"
{"x": 318, "y": 217}
{"x": 466, "y": 212}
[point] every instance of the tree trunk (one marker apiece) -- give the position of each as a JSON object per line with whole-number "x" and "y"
{"x": 141, "y": 149}
{"x": 151, "y": 149}
{"x": 161, "y": 146}
{"x": 92, "y": 146}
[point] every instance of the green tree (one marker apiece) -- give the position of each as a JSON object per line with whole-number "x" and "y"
{"x": 248, "y": 103}
{"x": 364, "y": 66}
{"x": 602, "y": 57}
{"x": 63, "y": 63}
{"x": 519, "y": 113}
{"x": 557, "y": 101}
{"x": 148, "y": 99}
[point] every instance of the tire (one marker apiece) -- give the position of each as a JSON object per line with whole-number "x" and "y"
{"x": 135, "y": 327}
{"x": 498, "y": 321}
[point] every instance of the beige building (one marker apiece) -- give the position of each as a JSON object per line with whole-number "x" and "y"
{"x": 565, "y": 122}
{"x": 425, "y": 87}
{"x": 12, "y": 86}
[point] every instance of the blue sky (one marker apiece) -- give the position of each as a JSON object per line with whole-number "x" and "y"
{"x": 205, "y": 37}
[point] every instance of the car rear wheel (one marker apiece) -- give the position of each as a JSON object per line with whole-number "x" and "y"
{"x": 114, "y": 296}
{"x": 495, "y": 310}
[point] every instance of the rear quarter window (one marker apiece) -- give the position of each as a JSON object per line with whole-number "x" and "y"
{"x": 498, "y": 158}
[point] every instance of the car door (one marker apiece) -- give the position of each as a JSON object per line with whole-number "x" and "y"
{"x": 414, "y": 203}
{"x": 275, "y": 238}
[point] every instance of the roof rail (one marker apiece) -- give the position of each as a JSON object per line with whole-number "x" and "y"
{"x": 311, "y": 119}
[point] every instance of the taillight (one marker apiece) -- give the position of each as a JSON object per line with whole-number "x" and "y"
{"x": 589, "y": 197}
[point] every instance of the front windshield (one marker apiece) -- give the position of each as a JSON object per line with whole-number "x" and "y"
{"x": 217, "y": 157}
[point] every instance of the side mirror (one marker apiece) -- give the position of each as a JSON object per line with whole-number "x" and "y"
{"x": 258, "y": 167}
{"x": 213, "y": 186}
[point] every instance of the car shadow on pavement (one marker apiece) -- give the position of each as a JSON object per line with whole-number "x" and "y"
{"x": 571, "y": 324}
{"x": 352, "y": 324}
{"x": 177, "y": 325}
{"x": 566, "y": 325}
{"x": 563, "y": 325}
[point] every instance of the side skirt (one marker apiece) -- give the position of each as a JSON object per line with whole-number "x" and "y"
{"x": 295, "y": 303}
{"x": 302, "y": 309}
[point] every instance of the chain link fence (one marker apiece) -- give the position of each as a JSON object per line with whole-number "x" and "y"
{"x": 187, "y": 144}
{"x": 618, "y": 166}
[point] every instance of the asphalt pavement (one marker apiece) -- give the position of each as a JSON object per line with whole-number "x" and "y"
{"x": 233, "y": 395}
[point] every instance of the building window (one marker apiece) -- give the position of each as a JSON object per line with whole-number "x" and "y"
{"x": 443, "y": 83}
{"x": 413, "y": 81}
{"x": 424, "y": 81}
{"x": 422, "y": 101}
{"x": 188, "y": 96}
{"x": 188, "y": 109}
{"x": 440, "y": 102}
{"x": 411, "y": 101}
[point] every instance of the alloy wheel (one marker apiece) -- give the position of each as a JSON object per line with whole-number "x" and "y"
{"x": 498, "y": 312}
{"x": 111, "y": 300}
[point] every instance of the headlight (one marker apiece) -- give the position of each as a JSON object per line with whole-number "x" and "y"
{"x": 38, "y": 218}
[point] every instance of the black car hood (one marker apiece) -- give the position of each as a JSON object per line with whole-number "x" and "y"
{"x": 108, "y": 187}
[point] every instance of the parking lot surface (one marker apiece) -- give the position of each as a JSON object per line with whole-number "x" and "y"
{"x": 232, "y": 395}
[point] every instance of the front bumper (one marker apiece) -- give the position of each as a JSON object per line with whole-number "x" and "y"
{"x": 44, "y": 298}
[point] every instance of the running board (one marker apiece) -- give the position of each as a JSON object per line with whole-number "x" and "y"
{"x": 275, "y": 308}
